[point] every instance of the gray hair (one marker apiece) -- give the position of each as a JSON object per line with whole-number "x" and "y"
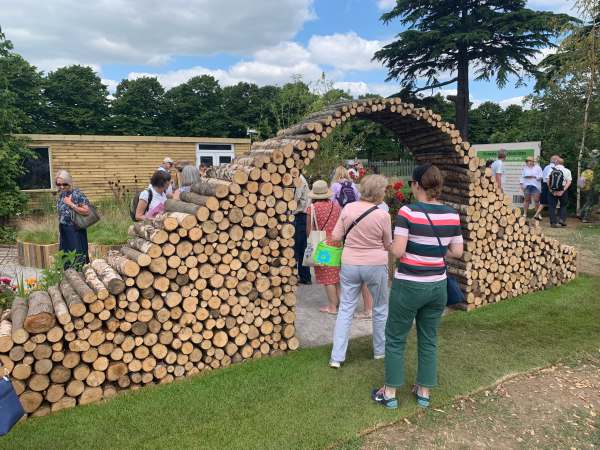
{"x": 502, "y": 153}
{"x": 65, "y": 175}
{"x": 372, "y": 188}
{"x": 189, "y": 176}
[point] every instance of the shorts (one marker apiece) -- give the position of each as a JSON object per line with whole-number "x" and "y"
{"x": 545, "y": 194}
{"x": 531, "y": 190}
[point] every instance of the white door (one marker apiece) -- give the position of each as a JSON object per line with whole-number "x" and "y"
{"x": 214, "y": 154}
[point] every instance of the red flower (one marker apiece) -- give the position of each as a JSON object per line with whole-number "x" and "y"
{"x": 398, "y": 185}
{"x": 361, "y": 172}
{"x": 400, "y": 196}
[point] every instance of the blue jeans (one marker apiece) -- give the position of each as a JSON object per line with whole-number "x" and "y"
{"x": 300, "y": 239}
{"x": 351, "y": 281}
{"x": 553, "y": 201}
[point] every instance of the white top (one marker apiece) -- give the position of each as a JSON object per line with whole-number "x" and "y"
{"x": 536, "y": 172}
{"x": 546, "y": 172}
{"x": 301, "y": 196}
{"x": 157, "y": 205}
{"x": 498, "y": 168}
{"x": 384, "y": 206}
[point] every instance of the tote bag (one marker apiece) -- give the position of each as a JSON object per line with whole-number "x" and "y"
{"x": 11, "y": 409}
{"x": 82, "y": 222}
{"x": 314, "y": 238}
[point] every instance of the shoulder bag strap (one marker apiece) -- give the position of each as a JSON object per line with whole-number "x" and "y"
{"x": 436, "y": 235}
{"x": 358, "y": 219}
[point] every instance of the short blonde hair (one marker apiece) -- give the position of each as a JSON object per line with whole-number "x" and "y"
{"x": 65, "y": 175}
{"x": 340, "y": 174}
{"x": 372, "y": 188}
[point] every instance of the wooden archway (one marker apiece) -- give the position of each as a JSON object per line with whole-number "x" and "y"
{"x": 505, "y": 256}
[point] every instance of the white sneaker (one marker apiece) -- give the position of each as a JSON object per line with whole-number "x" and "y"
{"x": 379, "y": 357}
{"x": 335, "y": 364}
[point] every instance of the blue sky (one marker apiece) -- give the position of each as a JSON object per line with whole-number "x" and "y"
{"x": 260, "y": 41}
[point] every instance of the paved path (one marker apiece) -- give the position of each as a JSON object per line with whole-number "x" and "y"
{"x": 9, "y": 266}
{"x": 315, "y": 328}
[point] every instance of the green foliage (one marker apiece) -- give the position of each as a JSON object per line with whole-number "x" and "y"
{"x": 77, "y": 101}
{"x": 446, "y": 36}
{"x": 297, "y": 402}
{"x": 138, "y": 107}
{"x": 54, "y": 274}
{"x": 8, "y": 235}
{"x": 12, "y": 150}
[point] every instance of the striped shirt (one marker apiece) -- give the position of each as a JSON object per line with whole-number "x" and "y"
{"x": 423, "y": 260}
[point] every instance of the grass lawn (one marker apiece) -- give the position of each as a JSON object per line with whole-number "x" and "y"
{"x": 296, "y": 401}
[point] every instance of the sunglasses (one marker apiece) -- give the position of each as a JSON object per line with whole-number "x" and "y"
{"x": 62, "y": 184}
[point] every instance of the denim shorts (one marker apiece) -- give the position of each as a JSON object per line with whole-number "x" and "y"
{"x": 531, "y": 190}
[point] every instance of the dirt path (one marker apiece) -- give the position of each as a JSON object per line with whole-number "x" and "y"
{"x": 557, "y": 407}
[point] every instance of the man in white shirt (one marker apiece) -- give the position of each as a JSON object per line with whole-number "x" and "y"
{"x": 561, "y": 197}
{"x": 166, "y": 166}
{"x": 544, "y": 200}
{"x": 531, "y": 184}
{"x": 498, "y": 169}
{"x": 300, "y": 238}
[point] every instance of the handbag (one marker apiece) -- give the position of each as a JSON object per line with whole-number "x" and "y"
{"x": 314, "y": 238}
{"x": 82, "y": 222}
{"x": 11, "y": 409}
{"x": 455, "y": 295}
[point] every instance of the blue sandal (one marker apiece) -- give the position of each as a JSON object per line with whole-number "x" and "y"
{"x": 377, "y": 395}
{"x": 423, "y": 402}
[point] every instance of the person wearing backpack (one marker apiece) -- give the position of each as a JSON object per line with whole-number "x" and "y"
{"x": 559, "y": 181}
{"x": 151, "y": 201}
{"x": 544, "y": 197}
{"x": 344, "y": 190}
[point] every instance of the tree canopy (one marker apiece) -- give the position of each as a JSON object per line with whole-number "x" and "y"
{"x": 495, "y": 39}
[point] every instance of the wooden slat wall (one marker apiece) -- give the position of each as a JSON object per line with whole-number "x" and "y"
{"x": 95, "y": 160}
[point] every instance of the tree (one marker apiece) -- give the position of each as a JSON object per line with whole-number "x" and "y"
{"x": 26, "y": 83}
{"x": 12, "y": 150}
{"x": 484, "y": 120}
{"x": 77, "y": 101}
{"x": 137, "y": 108}
{"x": 498, "y": 38}
{"x": 195, "y": 108}
{"x": 294, "y": 101}
{"x": 244, "y": 107}
{"x": 577, "y": 58}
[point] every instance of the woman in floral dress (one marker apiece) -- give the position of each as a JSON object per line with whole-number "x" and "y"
{"x": 323, "y": 214}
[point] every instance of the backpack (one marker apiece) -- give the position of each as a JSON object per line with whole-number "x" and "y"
{"x": 556, "y": 180}
{"x": 347, "y": 194}
{"x": 134, "y": 203}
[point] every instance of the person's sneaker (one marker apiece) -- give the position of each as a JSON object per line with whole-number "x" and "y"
{"x": 379, "y": 357}
{"x": 378, "y": 396}
{"x": 563, "y": 224}
{"x": 554, "y": 225}
{"x": 335, "y": 364}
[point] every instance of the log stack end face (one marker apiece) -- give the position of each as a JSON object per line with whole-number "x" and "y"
{"x": 213, "y": 280}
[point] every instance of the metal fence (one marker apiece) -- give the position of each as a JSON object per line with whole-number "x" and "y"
{"x": 394, "y": 169}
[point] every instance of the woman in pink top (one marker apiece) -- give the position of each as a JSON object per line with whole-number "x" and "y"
{"x": 367, "y": 230}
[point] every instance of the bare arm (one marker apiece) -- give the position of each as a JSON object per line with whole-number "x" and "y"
{"x": 387, "y": 234}
{"x": 309, "y": 221}
{"x": 399, "y": 246}
{"x": 139, "y": 211}
{"x": 455, "y": 250}
{"x": 499, "y": 180}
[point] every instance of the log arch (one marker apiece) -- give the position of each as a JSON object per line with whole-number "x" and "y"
{"x": 505, "y": 254}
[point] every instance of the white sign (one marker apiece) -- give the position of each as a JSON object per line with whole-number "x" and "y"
{"x": 516, "y": 153}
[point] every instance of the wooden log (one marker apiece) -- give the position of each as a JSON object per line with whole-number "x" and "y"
{"x": 109, "y": 277}
{"x": 78, "y": 283}
{"x": 40, "y": 315}
{"x": 194, "y": 201}
{"x": 148, "y": 232}
{"x": 92, "y": 280}
{"x": 144, "y": 246}
{"x": 211, "y": 188}
{"x": 31, "y": 401}
{"x": 6, "y": 341}
{"x": 18, "y": 313}
{"x": 74, "y": 303}
{"x": 122, "y": 264}
{"x": 141, "y": 259}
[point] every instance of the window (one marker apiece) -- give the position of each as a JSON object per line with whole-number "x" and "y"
{"x": 37, "y": 171}
{"x": 214, "y": 154}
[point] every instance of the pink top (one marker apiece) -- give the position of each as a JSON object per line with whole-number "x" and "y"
{"x": 369, "y": 241}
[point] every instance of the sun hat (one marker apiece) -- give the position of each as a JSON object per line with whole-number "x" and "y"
{"x": 168, "y": 160}
{"x": 320, "y": 191}
{"x": 529, "y": 158}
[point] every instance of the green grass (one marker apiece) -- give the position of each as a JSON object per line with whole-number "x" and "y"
{"x": 110, "y": 230}
{"x": 296, "y": 401}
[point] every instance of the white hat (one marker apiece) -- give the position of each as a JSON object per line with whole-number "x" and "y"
{"x": 168, "y": 160}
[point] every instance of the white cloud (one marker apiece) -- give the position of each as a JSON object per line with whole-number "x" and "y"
{"x": 147, "y": 31}
{"x": 386, "y": 4}
{"x": 111, "y": 85}
{"x": 512, "y": 101}
{"x": 345, "y": 51}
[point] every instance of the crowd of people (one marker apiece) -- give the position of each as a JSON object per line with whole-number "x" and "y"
{"x": 353, "y": 215}
{"x": 549, "y": 188}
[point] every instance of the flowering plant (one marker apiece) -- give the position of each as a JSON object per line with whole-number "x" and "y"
{"x": 396, "y": 196}
{"x": 7, "y": 292}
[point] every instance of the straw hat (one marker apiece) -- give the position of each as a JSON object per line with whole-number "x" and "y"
{"x": 320, "y": 191}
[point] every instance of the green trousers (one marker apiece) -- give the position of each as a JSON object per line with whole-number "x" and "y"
{"x": 413, "y": 301}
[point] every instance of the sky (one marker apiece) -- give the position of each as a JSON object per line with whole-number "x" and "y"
{"x": 258, "y": 41}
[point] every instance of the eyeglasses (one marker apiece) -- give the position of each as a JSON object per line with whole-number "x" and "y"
{"x": 411, "y": 182}
{"x": 62, "y": 184}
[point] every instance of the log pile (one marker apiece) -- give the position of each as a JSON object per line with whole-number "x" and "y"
{"x": 213, "y": 282}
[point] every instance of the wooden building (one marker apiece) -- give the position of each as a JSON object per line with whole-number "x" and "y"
{"x": 94, "y": 161}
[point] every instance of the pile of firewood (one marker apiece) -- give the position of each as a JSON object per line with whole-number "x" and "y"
{"x": 213, "y": 280}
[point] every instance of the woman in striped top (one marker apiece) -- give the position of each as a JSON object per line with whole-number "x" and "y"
{"x": 419, "y": 288}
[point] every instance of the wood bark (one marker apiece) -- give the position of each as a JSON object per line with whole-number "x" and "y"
{"x": 40, "y": 314}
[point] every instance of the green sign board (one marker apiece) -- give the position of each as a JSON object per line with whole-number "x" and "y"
{"x": 517, "y": 155}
